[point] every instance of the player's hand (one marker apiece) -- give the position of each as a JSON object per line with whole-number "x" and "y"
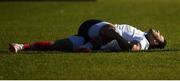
{"x": 136, "y": 47}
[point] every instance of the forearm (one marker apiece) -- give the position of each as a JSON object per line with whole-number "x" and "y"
{"x": 109, "y": 33}
{"x": 123, "y": 43}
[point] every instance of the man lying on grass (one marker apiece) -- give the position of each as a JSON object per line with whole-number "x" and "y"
{"x": 100, "y": 35}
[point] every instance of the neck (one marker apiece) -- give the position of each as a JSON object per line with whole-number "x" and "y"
{"x": 146, "y": 35}
{"x": 150, "y": 46}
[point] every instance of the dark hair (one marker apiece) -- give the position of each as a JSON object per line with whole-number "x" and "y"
{"x": 161, "y": 44}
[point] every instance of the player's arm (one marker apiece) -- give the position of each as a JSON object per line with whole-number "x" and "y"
{"x": 109, "y": 32}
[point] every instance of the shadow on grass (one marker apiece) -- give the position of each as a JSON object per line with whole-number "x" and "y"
{"x": 96, "y": 51}
{"x": 148, "y": 51}
{"x": 4, "y": 51}
{"x": 162, "y": 50}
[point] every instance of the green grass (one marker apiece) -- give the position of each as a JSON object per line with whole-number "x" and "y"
{"x": 35, "y": 21}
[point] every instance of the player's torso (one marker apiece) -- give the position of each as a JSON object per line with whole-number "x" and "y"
{"x": 128, "y": 32}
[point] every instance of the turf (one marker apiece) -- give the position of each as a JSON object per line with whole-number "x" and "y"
{"x": 24, "y": 22}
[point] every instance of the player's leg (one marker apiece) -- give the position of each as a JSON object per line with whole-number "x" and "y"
{"x": 41, "y": 45}
{"x": 96, "y": 38}
{"x": 85, "y": 26}
{"x": 90, "y": 27}
{"x": 67, "y": 44}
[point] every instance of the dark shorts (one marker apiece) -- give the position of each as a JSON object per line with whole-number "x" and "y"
{"x": 84, "y": 27}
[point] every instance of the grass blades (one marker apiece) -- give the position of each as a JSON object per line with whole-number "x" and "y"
{"x": 25, "y": 22}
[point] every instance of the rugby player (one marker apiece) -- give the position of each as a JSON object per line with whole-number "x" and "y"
{"x": 67, "y": 44}
{"x": 100, "y": 35}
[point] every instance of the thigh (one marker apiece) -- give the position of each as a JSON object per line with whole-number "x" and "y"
{"x": 84, "y": 28}
{"x": 70, "y": 43}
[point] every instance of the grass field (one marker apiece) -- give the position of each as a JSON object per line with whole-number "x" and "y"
{"x": 50, "y": 20}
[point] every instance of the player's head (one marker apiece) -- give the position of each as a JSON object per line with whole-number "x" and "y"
{"x": 155, "y": 39}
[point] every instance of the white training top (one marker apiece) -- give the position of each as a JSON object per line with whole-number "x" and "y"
{"x": 129, "y": 33}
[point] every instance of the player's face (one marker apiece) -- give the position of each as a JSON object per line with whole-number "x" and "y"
{"x": 155, "y": 37}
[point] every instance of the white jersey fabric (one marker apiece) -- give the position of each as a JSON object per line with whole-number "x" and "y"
{"x": 129, "y": 33}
